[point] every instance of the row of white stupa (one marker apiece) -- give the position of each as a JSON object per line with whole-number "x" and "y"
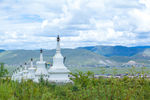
{"x": 57, "y": 73}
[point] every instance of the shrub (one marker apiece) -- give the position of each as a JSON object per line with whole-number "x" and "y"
{"x": 85, "y": 87}
{"x": 3, "y": 71}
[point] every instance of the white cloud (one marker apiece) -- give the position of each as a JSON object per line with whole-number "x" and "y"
{"x": 32, "y": 24}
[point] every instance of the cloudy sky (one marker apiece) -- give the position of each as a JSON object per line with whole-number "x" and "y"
{"x": 34, "y": 24}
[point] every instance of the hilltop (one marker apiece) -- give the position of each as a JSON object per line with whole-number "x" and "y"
{"x": 93, "y": 56}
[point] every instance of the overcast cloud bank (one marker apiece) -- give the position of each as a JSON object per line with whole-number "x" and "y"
{"x": 34, "y": 24}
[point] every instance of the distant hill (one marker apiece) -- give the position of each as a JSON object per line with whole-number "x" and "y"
{"x": 116, "y": 50}
{"x": 74, "y": 57}
{"x": 1, "y": 50}
{"x": 94, "y": 56}
{"x": 122, "y": 54}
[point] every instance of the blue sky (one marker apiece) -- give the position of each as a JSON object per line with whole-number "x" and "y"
{"x": 33, "y": 24}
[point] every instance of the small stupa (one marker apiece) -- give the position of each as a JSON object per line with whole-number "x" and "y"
{"x": 25, "y": 72}
{"x": 58, "y": 72}
{"x": 20, "y": 73}
{"x": 41, "y": 71}
{"x": 31, "y": 71}
{"x": 15, "y": 75}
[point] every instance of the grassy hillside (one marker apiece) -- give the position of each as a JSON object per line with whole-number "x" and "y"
{"x": 86, "y": 57}
{"x": 121, "y": 54}
{"x": 116, "y": 50}
{"x": 74, "y": 57}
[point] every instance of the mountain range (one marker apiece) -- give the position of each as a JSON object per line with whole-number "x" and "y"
{"x": 92, "y": 56}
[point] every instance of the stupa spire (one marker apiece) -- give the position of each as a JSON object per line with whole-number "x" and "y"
{"x": 18, "y": 69}
{"x": 41, "y": 55}
{"x": 15, "y": 71}
{"x": 21, "y": 68}
{"x": 58, "y": 44}
{"x": 58, "y": 38}
{"x": 31, "y": 64}
{"x": 25, "y": 66}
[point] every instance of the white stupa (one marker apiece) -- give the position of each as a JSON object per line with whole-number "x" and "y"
{"x": 58, "y": 72}
{"x": 20, "y": 73}
{"x": 41, "y": 70}
{"x": 25, "y": 72}
{"x": 13, "y": 75}
{"x": 31, "y": 71}
{"x": 17, "y": 76}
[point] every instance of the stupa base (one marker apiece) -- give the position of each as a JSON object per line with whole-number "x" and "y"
{"x": 59, "y": 78}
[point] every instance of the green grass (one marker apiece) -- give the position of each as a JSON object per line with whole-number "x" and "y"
{"x": 85, "y": 87}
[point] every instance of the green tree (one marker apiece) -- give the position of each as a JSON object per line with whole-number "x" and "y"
{"x": 3, "y": 71}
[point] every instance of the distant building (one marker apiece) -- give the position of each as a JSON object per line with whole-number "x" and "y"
{"x": 132, "y": 63}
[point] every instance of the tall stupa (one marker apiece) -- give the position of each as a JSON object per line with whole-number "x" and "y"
{"x": 58, "y": 72}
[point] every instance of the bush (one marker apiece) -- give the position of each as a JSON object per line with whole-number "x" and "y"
{"x": 85, "y": 87}
{"x": 3, "y": 71}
